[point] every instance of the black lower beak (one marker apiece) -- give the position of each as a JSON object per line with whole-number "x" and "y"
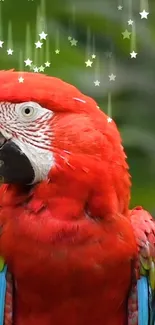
{"x": 2, "y": 140}
{"x": 15, "y": 167}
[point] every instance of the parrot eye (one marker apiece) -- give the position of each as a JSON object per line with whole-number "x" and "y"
{"x": 30, "y": 111}
{"x": 27, "y": 111}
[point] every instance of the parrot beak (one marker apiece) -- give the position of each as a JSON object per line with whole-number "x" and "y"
{"x": 2, "y": 140}
{"x": 15, "y": 167}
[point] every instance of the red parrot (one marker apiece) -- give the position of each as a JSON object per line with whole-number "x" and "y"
{"x": 76, "y": 254}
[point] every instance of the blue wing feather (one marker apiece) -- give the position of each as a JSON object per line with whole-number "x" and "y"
{"x": 143, "y": 301}
{"x": 2, "y": 293}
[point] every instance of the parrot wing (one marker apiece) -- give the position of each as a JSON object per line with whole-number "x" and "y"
{"x": 141, "y": 303}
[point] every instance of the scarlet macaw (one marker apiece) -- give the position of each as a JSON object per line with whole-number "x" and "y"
{"x": 76, "y": 253}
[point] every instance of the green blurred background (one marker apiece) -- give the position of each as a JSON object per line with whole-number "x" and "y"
{"x": 97, "y": 26}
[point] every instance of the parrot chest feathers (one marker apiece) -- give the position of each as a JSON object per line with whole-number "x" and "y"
{"x": 64, "y": 268}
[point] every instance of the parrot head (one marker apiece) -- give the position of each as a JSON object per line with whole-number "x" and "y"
{"x": 50, "y": 131}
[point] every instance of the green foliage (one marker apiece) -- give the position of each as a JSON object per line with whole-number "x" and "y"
{"x": 97, "y": 25}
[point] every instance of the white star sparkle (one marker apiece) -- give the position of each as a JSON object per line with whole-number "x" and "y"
{"x": 88, "y": 63}
{"x": 43, "y": 35}
{"x": 41, "y": 68}
{"x": 38, "y": 45}
{"x": 28, "y": 62}
{"x": 73, "y": 42}
{"x": 133, "y": 54}
{"x": 1, "y": 43}
{"x": 36, "y": 69}
{"x": 97, "y": 83}
{"x": 144, "y": 14}
{"x": 112, "y": 77}
{"x": 130, "y": 22}
{"x": 9, "y": 51}
{"x": 47, "y": 64}
{"x": 21, "y": 79}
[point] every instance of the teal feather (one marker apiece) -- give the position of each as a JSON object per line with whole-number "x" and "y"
{"x": 2, "y": 293}
{"x": 143, "y": 301}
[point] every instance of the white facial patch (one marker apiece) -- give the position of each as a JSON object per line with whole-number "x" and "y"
{"x": 41, "y": 159}
{"x": 28, "y": 126}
